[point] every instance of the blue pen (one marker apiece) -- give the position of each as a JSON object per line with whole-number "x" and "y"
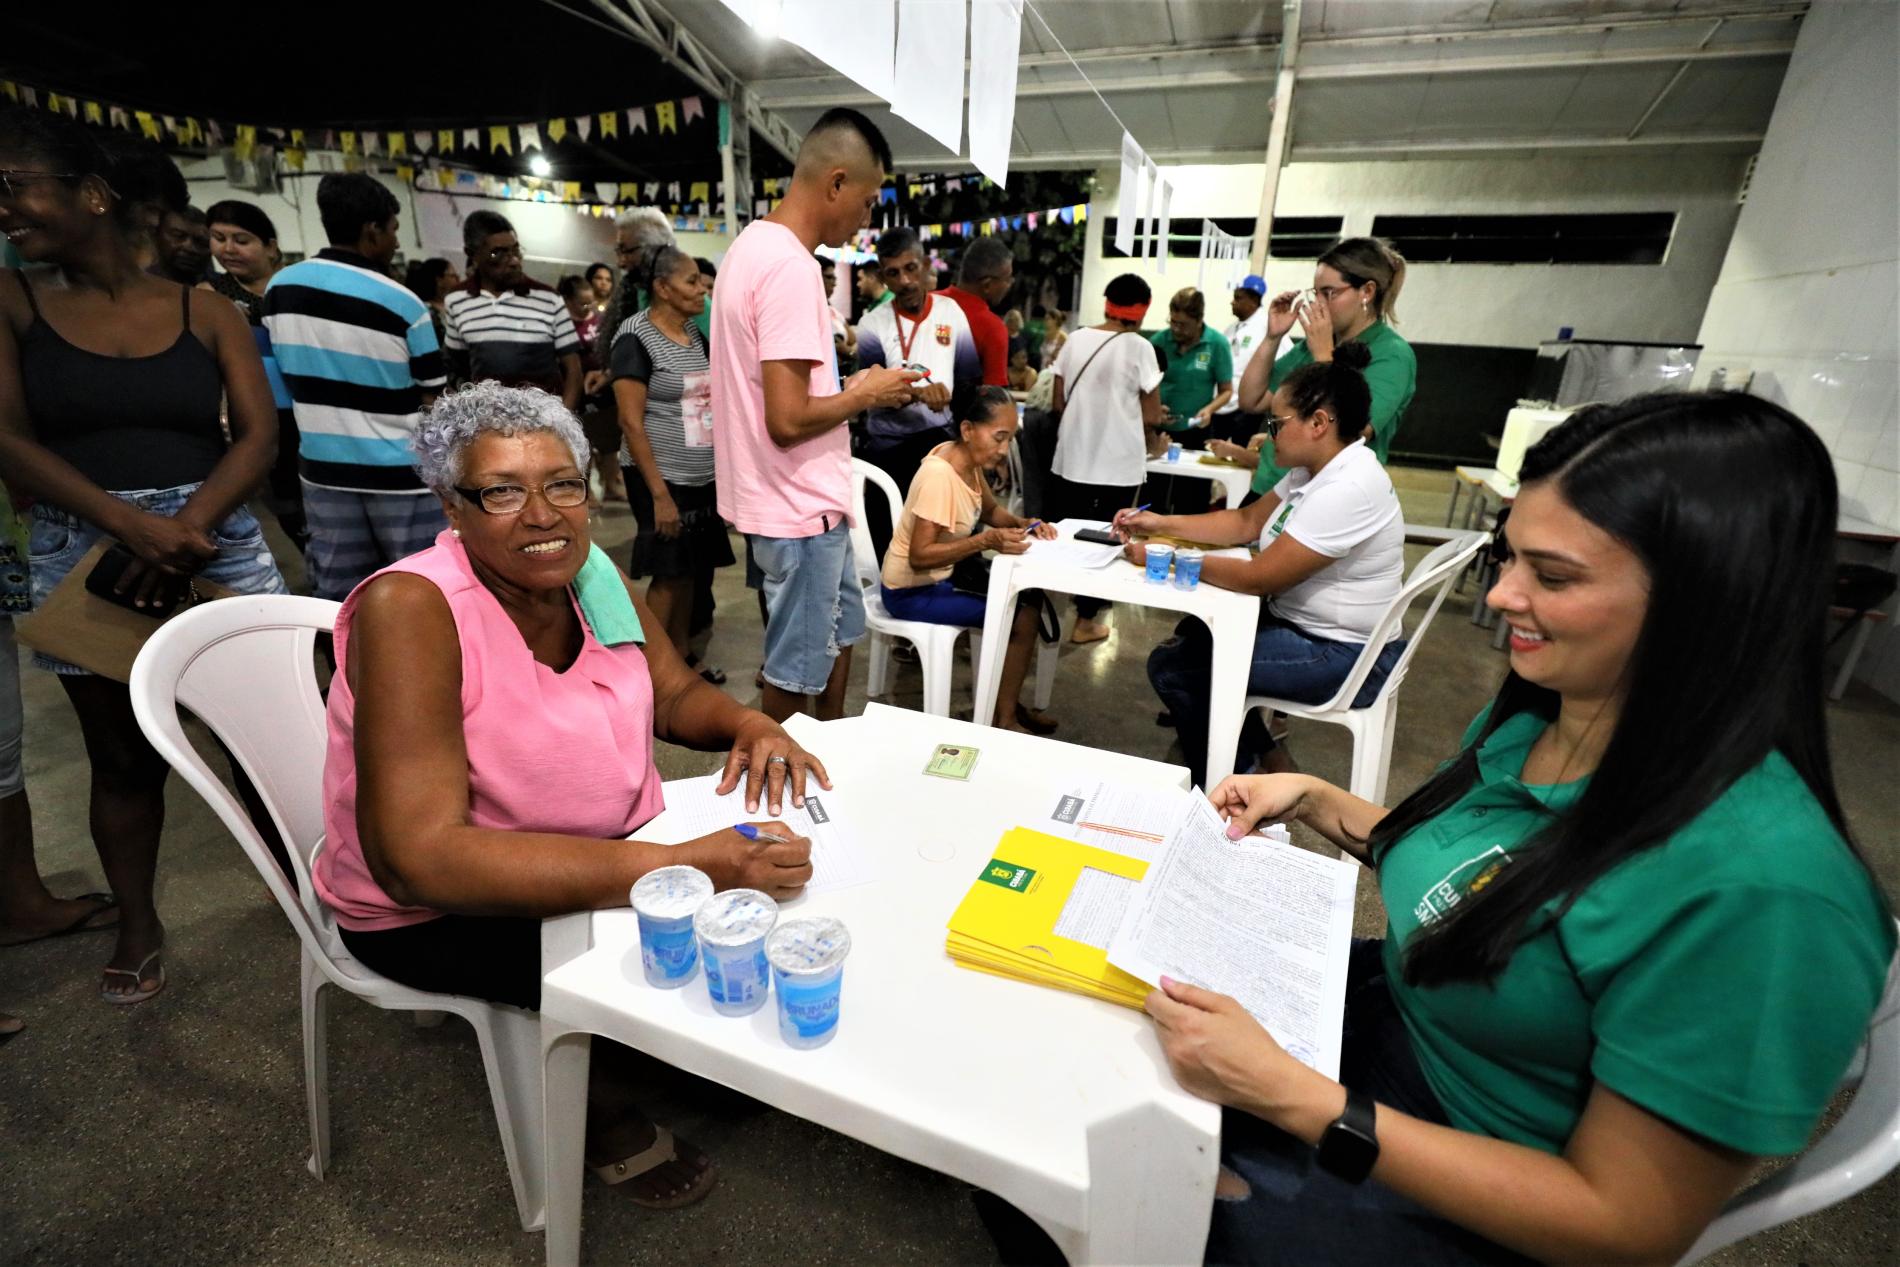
{"x": 752, "y": 833}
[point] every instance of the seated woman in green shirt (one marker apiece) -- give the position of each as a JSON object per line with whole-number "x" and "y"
{"x": 1631, "y": 947}
{"x": 1355, "y": 295}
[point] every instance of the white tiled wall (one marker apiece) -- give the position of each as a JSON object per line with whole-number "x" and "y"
{"x": 1809, "y": 294}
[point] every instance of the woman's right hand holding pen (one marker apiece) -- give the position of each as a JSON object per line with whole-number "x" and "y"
{"x": 1005, "y": 540}
{"x": 1137, "y": 521}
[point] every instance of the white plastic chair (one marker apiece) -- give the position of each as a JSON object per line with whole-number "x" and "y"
{"x": 1856, "y": 1153}
{"x": 1372, "y": 727}
{"x": 244, "y": 667}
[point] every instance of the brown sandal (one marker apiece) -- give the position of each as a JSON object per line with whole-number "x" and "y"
{"x": 663, "y": 1149}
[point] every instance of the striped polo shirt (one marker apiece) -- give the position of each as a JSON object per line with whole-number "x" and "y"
{"x": 357, "y": 350}
{"x": 516, "y": 337}
{"x": 677, "y": 379}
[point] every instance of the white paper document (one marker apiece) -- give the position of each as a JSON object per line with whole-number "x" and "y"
{"x": 1066, "y": 549}
{"x": 1263, "y": 921}
{"x": 996, "y": 36}
{"x": 1136, "y": 821}
{"x": 1125, "y": 199}
{"x": 861, "y": 49}
{"x": 839, "y": 857}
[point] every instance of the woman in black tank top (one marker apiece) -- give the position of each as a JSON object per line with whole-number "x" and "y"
{"x": 110, "y": 387}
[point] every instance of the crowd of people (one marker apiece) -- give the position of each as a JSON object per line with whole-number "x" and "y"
{"x": 1631, "y": 944}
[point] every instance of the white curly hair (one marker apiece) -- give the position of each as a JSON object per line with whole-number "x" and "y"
{"x": 450, "y": 425}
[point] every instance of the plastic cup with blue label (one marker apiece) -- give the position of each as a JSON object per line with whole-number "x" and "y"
{"x": 1187, "y": 567}
{"x": 731, "y": 927}
{"x": 1159, "y": 556}
{"x": 665, "y": 902}
{"x": 807, "y": 957}
{"x": 1174, "y": 450}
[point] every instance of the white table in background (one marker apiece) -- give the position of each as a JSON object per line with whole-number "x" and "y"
{"x": 1232, "y": 618}
{"x": 1234, "y": 480}
{"x": 1060, "y": 1104}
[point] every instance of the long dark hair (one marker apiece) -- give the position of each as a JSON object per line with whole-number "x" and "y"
{"x": 1729, "y": 502}
{"x": 1338, "y": 386}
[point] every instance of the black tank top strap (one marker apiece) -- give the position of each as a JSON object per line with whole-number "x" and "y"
{"x": 187, "y": 299}
{"x": 27, "y": 286}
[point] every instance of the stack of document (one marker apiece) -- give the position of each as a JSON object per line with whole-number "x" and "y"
{"x": 1257, "y": 918}
{"x": 1044, "y": 910}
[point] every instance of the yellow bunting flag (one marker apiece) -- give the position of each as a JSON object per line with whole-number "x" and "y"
{"x": 667, "y": 114}
{"x": 700, "y": 191}
{"x": 1082, "y": 213}
{"x": 349, "y": 142}
{"x": 609, "y": 123}
{"x": 147, "y": 124}
{"x": 571, "y": 191}
{"x": 94, "y": 112}
{"x": 557, "y": 128}
{"x": 245, "y": 141}
{"x": 405, "y": 174}
{"x": 192, "y": 132}
{"x": 11, "y": 89}
{"x": 52, "y": 102}
{"x": 501, "y": 138}
{"x": 445, "y": 139}
{"x": 398, "y": 144}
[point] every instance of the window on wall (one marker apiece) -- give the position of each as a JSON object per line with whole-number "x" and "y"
{"x": 1294, "y": 237}
{"x": 1622, "y": 238}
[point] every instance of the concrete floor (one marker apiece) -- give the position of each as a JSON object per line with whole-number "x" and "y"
{"x": 175, "y": 1131}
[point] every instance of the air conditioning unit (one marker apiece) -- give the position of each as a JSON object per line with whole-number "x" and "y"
{"x": 256, "y": 174}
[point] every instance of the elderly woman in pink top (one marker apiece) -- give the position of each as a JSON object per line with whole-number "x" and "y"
{"x": 491, "y": 747}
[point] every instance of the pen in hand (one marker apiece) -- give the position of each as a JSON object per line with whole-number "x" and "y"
{"x": 753, "y": 833}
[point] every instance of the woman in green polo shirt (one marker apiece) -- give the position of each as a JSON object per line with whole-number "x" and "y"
{"x": 1355, "y": 295}
{"x": 1197, "y": 368}
{"x": 1631, "y": 948}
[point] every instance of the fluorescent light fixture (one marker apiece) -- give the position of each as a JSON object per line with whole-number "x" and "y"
{"x": 540, "y": 166}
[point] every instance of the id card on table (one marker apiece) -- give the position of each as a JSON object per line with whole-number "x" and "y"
{"x": 952, "y": 761}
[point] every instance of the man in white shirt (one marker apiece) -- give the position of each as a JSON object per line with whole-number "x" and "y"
{"x": 1245, "y": 336}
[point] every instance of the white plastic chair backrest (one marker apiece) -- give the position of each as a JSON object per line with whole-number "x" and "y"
{"x": 870, "y": 567}
{"x": 1441, "y": 567}
{"x": 1857, "y": 1151}
{"x": 244, "y": 666}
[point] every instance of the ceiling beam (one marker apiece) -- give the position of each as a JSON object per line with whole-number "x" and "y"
{"x": 1541, "y": 61}
{"x": 650, "y": 24}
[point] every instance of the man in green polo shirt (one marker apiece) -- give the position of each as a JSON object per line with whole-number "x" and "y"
{"x": 1197, "y": 368}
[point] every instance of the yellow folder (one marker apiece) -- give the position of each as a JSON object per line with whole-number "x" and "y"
{"x": 1043, "y": 910}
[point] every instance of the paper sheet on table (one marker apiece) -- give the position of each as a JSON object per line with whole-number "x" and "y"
{"x": 1265, "y": 922}
{"x": 1132, "y": 172}
{"x": 1066, "y": 549}
{"x": 1136, "y": 821}
{"x": 996, "y": 37}
{"x": 929, "y": 85}
{"x": 839, "y": 857}
{"x": 860, "y": 49}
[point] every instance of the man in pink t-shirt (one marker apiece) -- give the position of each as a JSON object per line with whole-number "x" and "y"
{"x": 781, "y": 452}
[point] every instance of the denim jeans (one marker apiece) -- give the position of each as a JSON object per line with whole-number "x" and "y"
{"x": 1299, "y": 1215}
{"x": 814, "y": 605}
{"x": 1288, "y": 663}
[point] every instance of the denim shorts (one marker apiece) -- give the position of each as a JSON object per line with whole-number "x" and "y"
{"x": 814, "y": 606}
{"x": 57, "y": 541}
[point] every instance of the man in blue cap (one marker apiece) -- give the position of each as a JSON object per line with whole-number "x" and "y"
{"x": 1245, "y": 336}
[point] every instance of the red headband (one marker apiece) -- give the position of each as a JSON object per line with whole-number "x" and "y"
{"x": 1126, "y": 312}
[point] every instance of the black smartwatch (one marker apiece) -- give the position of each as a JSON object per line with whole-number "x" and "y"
{"x": 1349, "y": 1149}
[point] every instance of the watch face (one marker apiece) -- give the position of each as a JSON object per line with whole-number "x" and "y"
{"x": 1347, "y": 1154}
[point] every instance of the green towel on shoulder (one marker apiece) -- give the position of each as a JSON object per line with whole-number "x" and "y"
{"x": 605, "y": 602}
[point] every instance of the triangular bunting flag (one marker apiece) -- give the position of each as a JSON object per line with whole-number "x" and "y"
{"x": 471, "y": 138}
{"x": 10, "y": 89}
{"x": 398, "y": 144}
{"x": 147, "y": 124}
{"x": 557, "y": 128}
{"x": 349, "y": 142}
{"x": 610, "y": 124}
{"x": 1031, "y": 218}
{"x": 372, "y": 143}
{"x": 499, "y": 139}
{"x": 425, "y": 142}
{"x": 652, "y": 190}
{"x": 95, "y": 114}
{"x": 214, "y": 131}
{"x": 245, "y": 142}
{"x": 571, "y": 191}
{"x": 699, "y": 192}
{"x": 293, "y": 158}
{"x": 530, "y": 137}
{"x": 636, "y": 119}
{"x": 673, "y": 191}
{"x": 1082, "y": 213}
{"x": 445, "y": 140}
{"x": 692, "y": 108}
{"x": 170, "y": 122}
{"x": 118, "y": 117}
{"x": 666, "y": 116}
{"x": 607, "y": 191}
{"x": 405, "y": 174}
{"x": 585, "y": 126}
{"x": 30, "y": 96}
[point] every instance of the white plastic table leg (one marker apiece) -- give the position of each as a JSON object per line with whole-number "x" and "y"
{"x": 565, "y": 1057}
{"x": 999, "y": 609}
{"x": 1227, "y": 702}
{"x": 1162, "y": 1178}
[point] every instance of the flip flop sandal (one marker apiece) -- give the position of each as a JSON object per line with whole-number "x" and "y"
{"x": 663, "y": 1149}
{"x": 102, "y": 903}
{"x": 9, "y": 1027}
{"x": 137, "y": 974}
{"x": 716, "y": 676}
{"x": 1034, "y": 722}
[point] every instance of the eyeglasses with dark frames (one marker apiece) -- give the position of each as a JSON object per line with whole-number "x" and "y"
{"x": 12, "y": 178}
{"x": 512, "y": 499}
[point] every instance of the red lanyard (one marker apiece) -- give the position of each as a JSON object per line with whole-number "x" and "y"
{"x": 903, "y": 344}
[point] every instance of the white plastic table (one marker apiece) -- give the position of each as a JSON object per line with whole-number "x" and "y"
{"x": 1232, "y": 618}
{"x": 1235, "y": 481}
{"x": 1060, "y": 1104}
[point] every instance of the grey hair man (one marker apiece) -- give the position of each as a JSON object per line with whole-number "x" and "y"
{"x": 636, "y": 231}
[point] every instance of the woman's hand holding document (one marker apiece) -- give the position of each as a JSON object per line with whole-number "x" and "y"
{"x": 1264, "y": 922}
